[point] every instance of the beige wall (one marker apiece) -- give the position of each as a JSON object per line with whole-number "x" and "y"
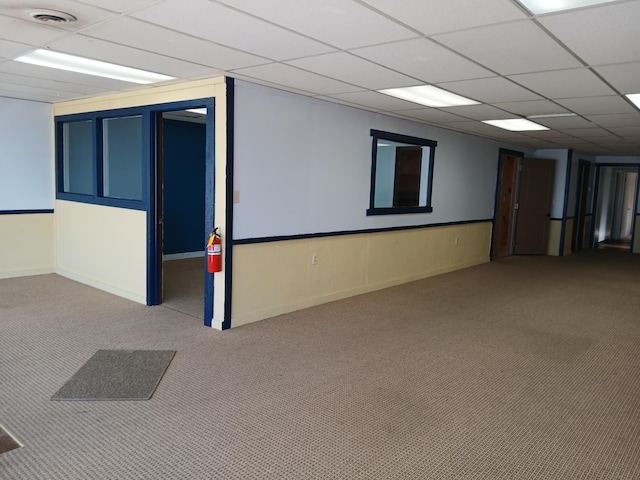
{"x": 278, "y": 277}
{"x": 104, "y": 247}
{"x": 72, "y": 223}
{"x": 555, "y": 234}
{"x": 555, "y": 230}
{"x": 26, "y": 246}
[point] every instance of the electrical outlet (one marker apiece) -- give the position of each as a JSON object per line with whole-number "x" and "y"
{"x": 314, "y": 259}
{"x": 456, "y": 241}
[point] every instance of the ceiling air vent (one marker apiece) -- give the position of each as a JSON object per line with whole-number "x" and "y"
{"x": 51, "y": 16}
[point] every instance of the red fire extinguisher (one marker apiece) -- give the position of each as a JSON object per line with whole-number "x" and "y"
{"x": 214, "y": 252}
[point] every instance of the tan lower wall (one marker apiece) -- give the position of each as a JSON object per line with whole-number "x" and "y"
{"x": 555, "y": 231}
{"x": 104, "y": 247}
{"x": 568, "y": 236}
{"x": 26, "y": 245}
{"x": 278, "y": 277}
{"x": 555, "y": 235}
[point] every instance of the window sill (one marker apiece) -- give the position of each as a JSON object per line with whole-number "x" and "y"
{"x": 398, "y": 210}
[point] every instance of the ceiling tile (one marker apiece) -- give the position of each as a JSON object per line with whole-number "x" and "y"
{"x": 341, "y": 23}
{"x": 130, "y": 57}
{"x": 152, "y": 38}
{"x": 596, "y": 41}
{"x": 436, "y": 16}
{"x": 37, "y": 73}
{"x": 292, "y": 77}
{"x": 597, "y": 105}
{"x": 85, "y": 14}
{"x": 560, "y": 123}
{"x": 624, "y": 77}
{"x": 26, "y": 32}
{"x": 435, "y": 115}
{"x": 480, "y": 112}
{"x": 49, "y": 84}
{"x": 485, "y": 129}
{"x": 378, "y": 101}
{"x": 490, "y": 90}
{"x": 351, "y": 69}
{"x": 591, "y": 133}
{"x": 423, "y": 60}
{"x": 616, "y": 120}
{"x": 577, "y": 82}
{"x": 13, "y": 49}
{"x": 629, "y": 133}
{"x": 53, "y": 95}
{"x": 122, "y": 6}
{"x": 509, "y": 48}
{"x": 534, "y": 107}
{"x": 226, "y": 26}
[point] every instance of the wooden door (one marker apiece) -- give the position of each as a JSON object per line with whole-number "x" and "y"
{"x": 504, "y": 220}
{"x": 534, "y": 206}
{"x": 406, "y": 192}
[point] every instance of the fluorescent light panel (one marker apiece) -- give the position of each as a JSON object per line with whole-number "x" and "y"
{"x": 199, "y": 111}
{"x": 635, "y": 98}
{"x": 429, "y": 96}
{"x": 538, "y": 7}
{"x": 516, "y": 125}
{"x": 63, "y": 61}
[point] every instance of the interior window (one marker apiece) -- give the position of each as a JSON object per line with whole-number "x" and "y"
{"x": 122, "y": 157}
{"x": 77, "y": 157}
{"x": 402, "y": 168}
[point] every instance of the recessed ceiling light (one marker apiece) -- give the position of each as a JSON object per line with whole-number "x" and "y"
{"x": 516, "y": 125}
{"x": 63, "y": 61}
{"x": 635, "y": 98}
{"x": 50, "y": 16}
{"x": 429, "y": 96}
{"x": 538, "y": 7}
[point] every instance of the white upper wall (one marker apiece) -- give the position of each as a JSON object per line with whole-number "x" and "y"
{"x": 303, "y": 166}
{"x": 26, "y": 140}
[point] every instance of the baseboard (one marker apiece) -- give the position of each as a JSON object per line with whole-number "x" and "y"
{"x": 26, "y": 272}
{"x": 182, "y": 256}
{"x": 103, "y": 286}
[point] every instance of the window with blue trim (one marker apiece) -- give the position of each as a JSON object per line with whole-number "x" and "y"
{"x": 122, "y": 157}
{"x": 77, "y": 157}
{"x": 102, "y": 157}
{"x": 401, "y": 174}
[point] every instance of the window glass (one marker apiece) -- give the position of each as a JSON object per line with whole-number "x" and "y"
{"x": 402, "y": 168}
{"x": 77, "y": 157}
{"x": 122, "y": 157}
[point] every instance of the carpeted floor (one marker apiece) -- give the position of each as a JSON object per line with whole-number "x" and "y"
{"x": 183, "y": 286}
{"x": 525, "y": 368}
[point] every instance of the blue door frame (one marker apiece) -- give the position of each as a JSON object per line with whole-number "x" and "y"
{"x": 154, "y": 240}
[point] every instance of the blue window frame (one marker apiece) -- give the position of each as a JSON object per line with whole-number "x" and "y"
{"x": 102, "y": 157}
{"x": 401, "y": 174}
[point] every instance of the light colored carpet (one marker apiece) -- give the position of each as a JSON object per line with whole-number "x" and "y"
{"x": 525, "y": 368}
{"x": 183, "y": 286}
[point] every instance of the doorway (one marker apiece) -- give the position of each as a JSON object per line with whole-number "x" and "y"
{"x": 504, "y": 220}
{"x": 181, "y": 207}
{"x": 580, "y": 232}
{"x": 182, "y": 158}
{"x": 524, "y": 193}
{"x": 614, "y": 223}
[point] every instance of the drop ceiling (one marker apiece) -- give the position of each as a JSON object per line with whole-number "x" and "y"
{"x": 495, "y": 52}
